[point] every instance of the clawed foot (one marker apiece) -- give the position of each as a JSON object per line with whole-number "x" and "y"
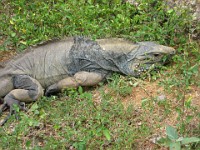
{"x": 51, "y": 90}
{"x": 13, "y": 110}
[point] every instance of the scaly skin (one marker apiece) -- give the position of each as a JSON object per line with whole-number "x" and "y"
{"x": 71, "y": 63}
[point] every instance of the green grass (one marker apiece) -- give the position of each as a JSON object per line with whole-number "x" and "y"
{"x": 76, "y": 119}
{"x": 24, "y": 23}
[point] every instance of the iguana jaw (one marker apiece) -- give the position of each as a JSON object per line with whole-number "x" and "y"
{"x": 149, "y": 60}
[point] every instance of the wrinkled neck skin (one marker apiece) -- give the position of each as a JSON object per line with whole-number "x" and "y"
{"x": 128, "y": 60}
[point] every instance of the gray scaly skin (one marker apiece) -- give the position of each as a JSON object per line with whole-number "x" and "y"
{"x": 73, "y": 62}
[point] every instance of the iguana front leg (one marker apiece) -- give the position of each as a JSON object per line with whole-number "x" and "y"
{"x": 81, "y": 78}
{"x": 26, "y": 89}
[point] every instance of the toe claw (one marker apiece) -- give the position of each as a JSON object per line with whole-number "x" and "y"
{"x": 23, "y": 106}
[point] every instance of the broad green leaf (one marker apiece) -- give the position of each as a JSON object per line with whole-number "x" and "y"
{"x": 194, "y": 68}
{"x": 28, "y": 143}
{"x": 11, "y": 22}
{"x": 170, "y": 11}
{"x": 34, "y": 107}
{"x": 175, "y": 146}
{"x": 180, "y": 139}
{"x": 23, "y": 42}
{"x": 80, "y": 145}
{"x": 171, "y": 133}
{"x": 190, "y": 140}
{"x": 13, "y": 34}
{"x": 80, "y": 90}
{"x": 164, "y": 141}
{"x": 135, "y": 84}
{"x": 107, "y": 134}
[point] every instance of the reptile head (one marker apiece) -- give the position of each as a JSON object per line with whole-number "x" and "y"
{"x": 150, "y": 55}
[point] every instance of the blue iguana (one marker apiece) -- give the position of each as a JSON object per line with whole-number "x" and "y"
{"x": 73, "y": 62}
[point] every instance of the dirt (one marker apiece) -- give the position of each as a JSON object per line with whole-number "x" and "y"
{"x": 151, "y": 90}
{"x": 6, "y": 55}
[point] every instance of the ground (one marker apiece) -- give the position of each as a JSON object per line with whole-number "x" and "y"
{"x": 141, "y": 95}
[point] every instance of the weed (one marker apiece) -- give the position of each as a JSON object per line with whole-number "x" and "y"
{"x": 119, "y": 85}
{"x": 174, "y": 142}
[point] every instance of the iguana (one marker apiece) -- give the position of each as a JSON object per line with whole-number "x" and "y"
{"x": 73, "y": 62}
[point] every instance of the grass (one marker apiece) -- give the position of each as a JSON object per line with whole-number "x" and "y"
{"x": 109, "y": 116}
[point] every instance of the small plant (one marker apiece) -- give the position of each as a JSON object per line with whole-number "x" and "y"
{"x": 174, "y": 142}
{"x": 119, "y": 85}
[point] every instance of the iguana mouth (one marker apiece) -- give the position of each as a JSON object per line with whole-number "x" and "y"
{"x": 142, "y": 68}
{"x": 150, "y": 62}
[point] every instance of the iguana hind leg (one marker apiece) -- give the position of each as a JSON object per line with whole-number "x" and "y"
{"x": 26, "y": 89}
{"x": 81, "y": 78}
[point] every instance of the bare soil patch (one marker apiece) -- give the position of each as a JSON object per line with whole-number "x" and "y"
{"x": 6, "y": 55}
